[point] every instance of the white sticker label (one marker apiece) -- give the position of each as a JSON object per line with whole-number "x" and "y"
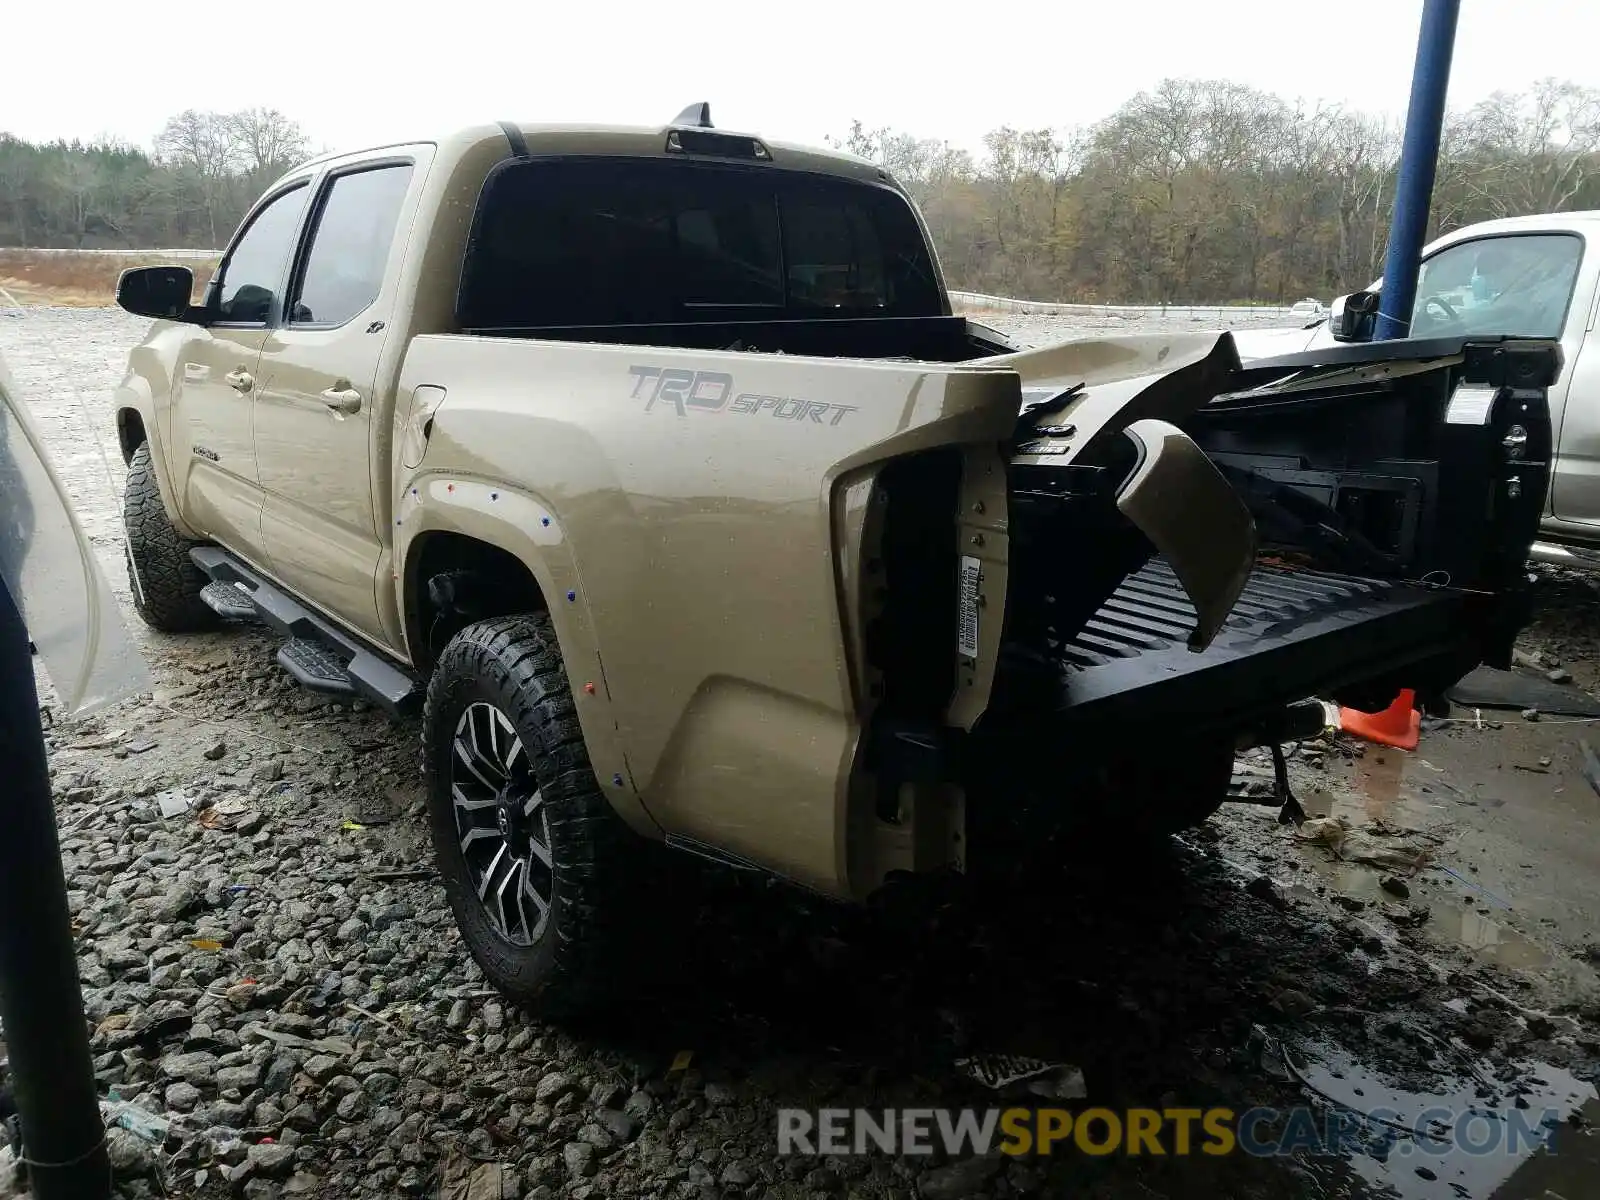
{"x": 1470, "y": 404}
{"x": 971, "y": 573}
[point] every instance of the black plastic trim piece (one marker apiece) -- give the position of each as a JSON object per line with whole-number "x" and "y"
{"x": 1487, "y": 358}
{"x": 514, "y": 139}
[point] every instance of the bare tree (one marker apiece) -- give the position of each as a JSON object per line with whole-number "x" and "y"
{"x": 266, "y": 143}
{"x": 1530, "y": 152}
{"x": 201, "y": 147}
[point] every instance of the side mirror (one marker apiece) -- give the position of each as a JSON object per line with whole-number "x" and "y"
{"x": 159, "y": 292}
{"x": 1352, "y": 318}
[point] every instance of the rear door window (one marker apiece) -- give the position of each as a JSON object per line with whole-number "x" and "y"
{"x": 642, "y": 241}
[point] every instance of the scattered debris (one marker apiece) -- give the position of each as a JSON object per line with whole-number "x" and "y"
{"x": 149, "y": 1127}
{"x": 174, "y": 804}
{"x": 295, "y": 1042}
{"x": 1325, "y": 831}
{"x": 1363, "y": 846}
{"x": 1059, "y": 1080}
{"x": 103, "y": 741}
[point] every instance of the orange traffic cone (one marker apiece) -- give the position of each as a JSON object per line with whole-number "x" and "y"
{"x": 1398, "y": 725}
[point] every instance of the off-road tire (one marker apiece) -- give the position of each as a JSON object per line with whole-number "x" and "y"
{"x": 577, "y": 963}
{"x": 165, "y": 582}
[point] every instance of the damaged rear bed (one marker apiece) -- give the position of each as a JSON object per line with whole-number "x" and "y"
{"x": 1190, "y": 552}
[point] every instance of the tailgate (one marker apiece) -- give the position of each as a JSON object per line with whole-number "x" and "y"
{"x": 1292, "y": 633}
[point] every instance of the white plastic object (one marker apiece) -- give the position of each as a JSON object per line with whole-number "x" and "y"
{"x": 50, "y": 569}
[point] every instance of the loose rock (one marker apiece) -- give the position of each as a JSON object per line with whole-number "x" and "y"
{"x": 580, "y": 1159}
{"x": 272, "y": 1159}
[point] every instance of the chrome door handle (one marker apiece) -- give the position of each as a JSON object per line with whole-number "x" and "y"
{"x": 342, "y": 400}
{"x": 240, "y": 380}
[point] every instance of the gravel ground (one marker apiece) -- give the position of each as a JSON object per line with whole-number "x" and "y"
{"x": 265, "y": 954}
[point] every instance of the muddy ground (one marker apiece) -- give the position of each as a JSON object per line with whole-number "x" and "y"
{"x": 265, "y": 955}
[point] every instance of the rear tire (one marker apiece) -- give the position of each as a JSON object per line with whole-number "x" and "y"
{"x": 536, "y": 865}
{"x": 166, "y": 584}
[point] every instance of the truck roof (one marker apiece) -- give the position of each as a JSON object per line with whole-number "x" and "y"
{"x": 1583, "y": 220}
{"x": 628, "y": 141}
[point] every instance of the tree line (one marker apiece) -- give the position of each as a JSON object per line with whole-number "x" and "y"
{"x": 1204, "y": 191}
{"x": 190, "y": 190}
{"x": 1197, "y": 191}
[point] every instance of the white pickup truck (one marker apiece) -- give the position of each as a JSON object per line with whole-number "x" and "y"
{"x": 1523, "y": 276}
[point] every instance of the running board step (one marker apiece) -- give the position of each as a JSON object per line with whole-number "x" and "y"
{"x": 317, "y": 652}
{"x": 316, "y": 667}
{"x": 228, "y": 601}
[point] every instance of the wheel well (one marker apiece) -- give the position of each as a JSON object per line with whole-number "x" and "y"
{"x": 130, "y": 432}
{"x": 453, "y": 580}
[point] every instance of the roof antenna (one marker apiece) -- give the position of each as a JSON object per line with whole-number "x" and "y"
{"x": 696, "y": 114}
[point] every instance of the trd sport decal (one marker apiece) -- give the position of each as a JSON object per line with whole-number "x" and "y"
{"x": 714, "y": 392}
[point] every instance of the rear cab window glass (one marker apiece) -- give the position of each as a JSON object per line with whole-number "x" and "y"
{"x": 573, "y": 242}
{"x": 355, "y": 227}
{"x": 259, "y": 260}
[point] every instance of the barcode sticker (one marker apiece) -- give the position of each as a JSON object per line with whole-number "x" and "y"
{"x": 971, "y": 573}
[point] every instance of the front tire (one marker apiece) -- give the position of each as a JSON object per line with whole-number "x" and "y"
{"x": 165, "y": 582}
{"x": 534, "y": 860}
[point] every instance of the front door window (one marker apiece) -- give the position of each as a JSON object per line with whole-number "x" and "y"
{"x": 1514, "y": 285}
{"x": 254, "y": 273}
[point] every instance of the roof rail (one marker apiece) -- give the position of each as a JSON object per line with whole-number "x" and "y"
{"x": 696, "y": 114}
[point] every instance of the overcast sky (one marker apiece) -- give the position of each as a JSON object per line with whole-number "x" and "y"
{"x": 357, "y": 72}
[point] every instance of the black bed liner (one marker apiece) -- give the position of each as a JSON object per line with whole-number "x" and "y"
{"x": 1292, "y": 633}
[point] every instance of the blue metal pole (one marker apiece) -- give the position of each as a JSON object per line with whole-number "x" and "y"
{"x": 1419, "y": 160}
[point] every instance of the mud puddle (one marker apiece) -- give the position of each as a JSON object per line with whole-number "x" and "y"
{"x": 1474, "y": 1131}
{"x": 1393, "y": 860}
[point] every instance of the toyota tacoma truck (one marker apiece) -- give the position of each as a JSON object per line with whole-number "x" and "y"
{"x": 653, "y": 466}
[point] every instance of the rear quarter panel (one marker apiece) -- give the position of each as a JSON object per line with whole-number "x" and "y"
{"x": 690, "y": 557}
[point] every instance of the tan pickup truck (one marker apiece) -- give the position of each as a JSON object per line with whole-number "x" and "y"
{"x": 654, "y": 466}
